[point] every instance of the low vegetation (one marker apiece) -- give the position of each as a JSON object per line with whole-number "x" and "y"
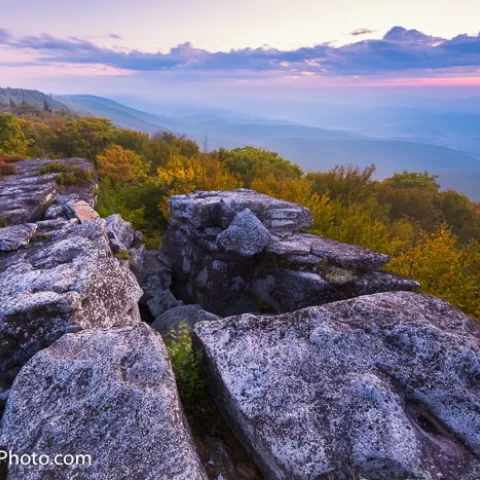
{"x": 53, "y": 168}
{"x": 187, "y": 366}
{"x": 7, "y": 164}
{"x": 74, "y": 176}
{"x": 123, "y": 255}
{"x": 432, "y": 235}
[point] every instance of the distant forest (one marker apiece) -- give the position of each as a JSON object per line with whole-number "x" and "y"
{"x": 16, "y": 98}
{"x": 432, "y": 235}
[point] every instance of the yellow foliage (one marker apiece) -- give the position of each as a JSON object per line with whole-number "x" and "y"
{"x": 443, "y": 269}
{"x": 122, "y": 165}
{"x": 183, "y": 175}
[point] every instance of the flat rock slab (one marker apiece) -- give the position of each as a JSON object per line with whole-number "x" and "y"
{"x": 218, "y": 208}
{"x": 110, "y": 394}
{"x": 12, "y": 238}
{"x": 81, "y": 210}
{"x": 380, "y": 387}
{"x": 59, "y": 284}
{"x": 328, "y": 251}
{"x": 26, "y": 195}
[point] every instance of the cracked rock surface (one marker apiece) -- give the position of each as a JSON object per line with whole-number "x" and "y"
{"x": 57, "y": 285}
{"x": 27, "y": 195}
{"x": 384, "y": 386}
{"x": 107, "y": 393}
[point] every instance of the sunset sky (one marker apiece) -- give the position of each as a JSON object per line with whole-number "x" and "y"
{"x": 97, "y": 46}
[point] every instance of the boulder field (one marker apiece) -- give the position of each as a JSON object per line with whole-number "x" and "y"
{"x": 323, "y": 364}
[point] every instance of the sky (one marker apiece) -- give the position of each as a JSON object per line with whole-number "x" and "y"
{"x": 266, "y": 48}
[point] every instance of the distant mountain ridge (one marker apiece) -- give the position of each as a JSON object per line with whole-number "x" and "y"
{"x": 313, "y": 148}
{"x": 18, "y": 96}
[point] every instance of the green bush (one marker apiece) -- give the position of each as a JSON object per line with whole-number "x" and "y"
{"x": 123, "y": 255}
{"x": 53, "y": 168}
{"x": 187, "y": 366}
{"x": 74, "y": 176}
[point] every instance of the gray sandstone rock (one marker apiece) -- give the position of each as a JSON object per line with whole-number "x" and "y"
{"x": 240, "y": 251}
{"x": 63, "y": 283}
{"x": 119, "y": 229}
{"x": 380, "y": 387}
{"x": 12, "y": 238}
{"x": 154, "y": 274}
{"x": 49, "y": 229}
{"x": 217, "y": 209}
{"x": 161, "y": 302}
{"x": 26, "y": 196}
{"x": 110, "y": 394}
{"x": 55, "y": 211}
{"x": 245, "y": 236}
{"x": 329, "y": 251}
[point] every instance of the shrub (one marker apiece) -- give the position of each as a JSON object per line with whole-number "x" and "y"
{"x": 7, "y": 169}
{"x": 53, "y": 168}
{"x": 123, "y": 255}
{"x": 74, "y": 176}
{"x": 187, "y": 366}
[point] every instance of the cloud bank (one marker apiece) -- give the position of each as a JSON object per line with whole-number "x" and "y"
{"x": 399, "y": 51}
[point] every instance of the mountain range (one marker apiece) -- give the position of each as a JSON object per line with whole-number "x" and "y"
{"x": 394, "y": 138}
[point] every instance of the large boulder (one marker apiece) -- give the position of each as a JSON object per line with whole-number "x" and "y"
{"x": 241, "y": 251}
{"x": 379, "y": 387}
{"x": 65, "y": 281}
{"x": 110, "y": 394}
{"x": 218, "y": 209}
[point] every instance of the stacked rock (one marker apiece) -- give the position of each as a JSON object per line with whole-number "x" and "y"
{"x": 241, "y": 251}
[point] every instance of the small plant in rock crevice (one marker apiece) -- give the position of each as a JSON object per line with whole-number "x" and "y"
{"x": 187, "y": 365}
{"x": 123, "y": 255}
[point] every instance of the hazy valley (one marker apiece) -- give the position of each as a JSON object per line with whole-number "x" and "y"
{"x": 318, "y": 137}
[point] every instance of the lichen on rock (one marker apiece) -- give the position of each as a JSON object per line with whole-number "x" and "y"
{"x": 109, "y": 394}
{"x": 381, "y": 386}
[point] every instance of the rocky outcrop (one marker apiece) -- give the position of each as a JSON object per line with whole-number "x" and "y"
{"x": 80, "y": 374}
{"x": 110, "y": 394}
{"x": 384, "y": 386}
{"x": 56, "y": 275}
{"x": 240, "y": 251}
{"x": 63, "y": 282}
{"x": 120, "y": 233}
{"x": 28, "y": 195}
